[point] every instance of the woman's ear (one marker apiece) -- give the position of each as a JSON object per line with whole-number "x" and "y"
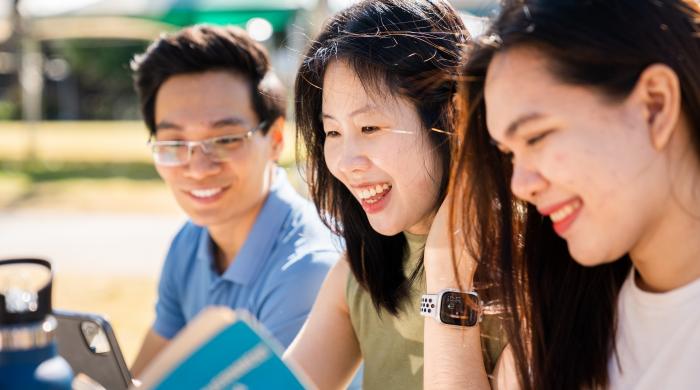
{"x": 276, "y": 134}
{"x": 660, "y": 93}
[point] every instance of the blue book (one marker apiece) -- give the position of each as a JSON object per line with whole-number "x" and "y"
{"x": 221, "y": 349}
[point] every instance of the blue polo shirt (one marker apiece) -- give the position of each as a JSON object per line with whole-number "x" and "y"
{"x": 275, "y": 276}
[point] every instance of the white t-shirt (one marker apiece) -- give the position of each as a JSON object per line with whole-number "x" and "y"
{"x": 658, "y": 338}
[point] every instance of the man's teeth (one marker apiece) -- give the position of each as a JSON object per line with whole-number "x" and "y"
{"x": 565, "y": 211}
{"x": 378, "y": 189}
{"x": 205, "y": 193}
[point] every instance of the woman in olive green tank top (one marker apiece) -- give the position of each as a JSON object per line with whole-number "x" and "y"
{"x": 375, "y": 110}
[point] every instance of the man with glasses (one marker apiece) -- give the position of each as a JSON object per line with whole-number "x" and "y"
{"x": 215, "y": 112}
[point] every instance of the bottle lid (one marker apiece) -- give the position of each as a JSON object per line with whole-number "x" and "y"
{"x": 25, "y": 290}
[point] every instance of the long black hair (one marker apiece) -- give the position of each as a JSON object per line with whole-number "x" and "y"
{"x": 409, "y": 48}
{"x": 562, "y": 315}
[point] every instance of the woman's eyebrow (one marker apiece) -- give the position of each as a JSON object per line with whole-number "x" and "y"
{"x": 361, "y": 110}
{"x": 522, "y": 120}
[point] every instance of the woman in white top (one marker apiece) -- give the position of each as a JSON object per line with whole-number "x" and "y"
{"x": 589, "y": 215}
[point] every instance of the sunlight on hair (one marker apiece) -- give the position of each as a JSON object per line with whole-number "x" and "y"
{"x": 398, "y": 131}
{"x": 401, "y": 131}
{"x": 435, "y": 129}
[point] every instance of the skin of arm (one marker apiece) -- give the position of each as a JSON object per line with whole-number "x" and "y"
{"x": 453, "y": 357}
{"x": 326, "y": 349}
{"x": 152, "y": 345}
{"x": 504, "y": 377}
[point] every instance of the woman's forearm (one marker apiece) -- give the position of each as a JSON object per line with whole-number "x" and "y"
{"x": 453, "y": 356}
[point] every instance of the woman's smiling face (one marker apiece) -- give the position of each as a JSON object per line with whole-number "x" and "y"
{"x": 584, "y": 159}
{"x": 377, "y": 147}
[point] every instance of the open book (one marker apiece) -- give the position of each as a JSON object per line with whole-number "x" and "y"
{"x": 221, "y": 349}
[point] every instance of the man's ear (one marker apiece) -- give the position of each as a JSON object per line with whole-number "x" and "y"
{"x": 660, "y": 93}
{"x": 276, "y": 134}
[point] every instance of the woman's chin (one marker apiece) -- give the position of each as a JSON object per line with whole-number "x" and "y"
{"x": 384, "y": 230}
{"x": 592, "y": 255}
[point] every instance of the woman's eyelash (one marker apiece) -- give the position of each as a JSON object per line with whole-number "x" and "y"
{"x": 370, "y": 129}
{"x": 364, "y": 129}
{"x": 533, "y": 140}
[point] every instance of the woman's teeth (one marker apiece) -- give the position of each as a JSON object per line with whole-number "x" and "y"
{"x": 565, "y": 211}
{"x": 207, "y": 193}
{"x": 371, "y": 194}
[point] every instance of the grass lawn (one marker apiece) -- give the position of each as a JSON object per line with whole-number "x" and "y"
{"x": 128, "y": 303}
{"x": 75, "y": 141}
{"x": 118, "y": 141}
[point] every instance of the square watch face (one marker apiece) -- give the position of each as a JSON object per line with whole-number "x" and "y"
{"x": 461, "y": 309}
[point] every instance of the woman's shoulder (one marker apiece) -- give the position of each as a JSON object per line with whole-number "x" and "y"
{"x": 356, "y": 296}
{"x": 337, "y": 279}
{"x": 341, "y": 269}
{"x": 345, "y": 276}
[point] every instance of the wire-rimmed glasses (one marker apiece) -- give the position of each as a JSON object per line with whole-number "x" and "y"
{"x": 218, "y": 149}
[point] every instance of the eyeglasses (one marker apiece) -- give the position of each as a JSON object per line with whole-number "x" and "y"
{"x": 218, "y": 149}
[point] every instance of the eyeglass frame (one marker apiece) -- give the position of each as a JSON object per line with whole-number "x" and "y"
{"x": 204, "y": 144}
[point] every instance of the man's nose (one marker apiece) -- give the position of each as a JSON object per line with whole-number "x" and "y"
{"x": 202, "y": 163}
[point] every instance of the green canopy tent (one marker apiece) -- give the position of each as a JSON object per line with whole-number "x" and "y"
{"x": 277, "y": 13}
{"x": 133, "y": 19}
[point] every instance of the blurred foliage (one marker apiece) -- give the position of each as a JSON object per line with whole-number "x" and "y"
{"x": 100, "y": 72}
{"x": 10, "y": 97}
{"x": 8, "y": 110}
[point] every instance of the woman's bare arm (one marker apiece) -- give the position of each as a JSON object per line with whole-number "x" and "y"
{"x": 453, "y": 358}
{"x": 326, "y": 348}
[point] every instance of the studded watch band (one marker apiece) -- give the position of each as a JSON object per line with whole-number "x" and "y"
{"x": 429, "y": 305}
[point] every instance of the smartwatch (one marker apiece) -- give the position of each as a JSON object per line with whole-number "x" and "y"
{"x": 452, "y": 307}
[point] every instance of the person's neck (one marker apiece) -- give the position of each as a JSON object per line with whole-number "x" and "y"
{"x": 229, "y": 237}
{"x": 669, "y": 257}
{"x": 422, "y": 228}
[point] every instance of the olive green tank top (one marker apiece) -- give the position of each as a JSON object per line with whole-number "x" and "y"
{"x": 392, "y": 346}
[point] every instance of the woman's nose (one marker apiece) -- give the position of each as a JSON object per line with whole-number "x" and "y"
{"x": 526, "y": 182}
{"x": 353, "y": 159}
